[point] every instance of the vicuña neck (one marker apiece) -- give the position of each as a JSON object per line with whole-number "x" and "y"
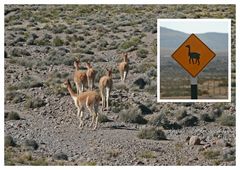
{"x": 189, "y": 51}
{"x": 72, "y": 93}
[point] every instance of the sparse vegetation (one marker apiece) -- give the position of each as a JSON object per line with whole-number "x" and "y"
{"x": 206, "y": 117}
{"x": 57, "y": 41}
{"x": 211, "y": 154}
{"x": 142, "y": 53}
{"x": 12, "y": 115}
{"x": 227, "y": 120}
{"x": 132, "y": 115}
{"x": 113, "y": 153}
{"x": 34, "y": 103}
{"x": 147, "y": 154}
{"x": 133, "y": 42}
{"x": 151, "y": 133}
{"x": 8, "y": 141}
{"x": 102, "y": 118}
{"x": 180, "y": 114}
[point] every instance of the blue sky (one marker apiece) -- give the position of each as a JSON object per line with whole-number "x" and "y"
{"x": 196, "y": 26}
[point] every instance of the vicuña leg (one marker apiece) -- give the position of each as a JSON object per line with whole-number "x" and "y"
{"x": 107, "y": 96}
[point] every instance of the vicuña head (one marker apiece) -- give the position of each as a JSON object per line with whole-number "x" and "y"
{"x": 76, "y": 64}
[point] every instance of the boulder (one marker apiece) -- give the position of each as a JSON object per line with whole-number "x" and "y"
{"x": 194, "y": 140}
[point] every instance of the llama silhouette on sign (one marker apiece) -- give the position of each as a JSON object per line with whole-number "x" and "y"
{"x": 193, "y": 55}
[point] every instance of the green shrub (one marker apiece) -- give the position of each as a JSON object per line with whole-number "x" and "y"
{"x": 12, "y": 115}
{"x": 8, "y": 141}
{"x": 142, "y": 53}
{"x": 102, "y": 118}
{"x": 113, "y": 153}
{"x": 159, "y": 120}
{"x": 182, "y": 113}
{"x": 15, "y": 97}
{"x": 207, "y": 118}
{"x": 211, "y": 154}
{"x": 133, "y": 42}
{"x": 34, "y": 103}
{"x": 147, "y": 154}
{"x": 227, "y": 120}
{"x": 42, "y": 42}
{"x": 189, "y": 121}
{"x": 151, "y": 133}
{"x": 132, "y": 115}
{"x": 57, "y": 41}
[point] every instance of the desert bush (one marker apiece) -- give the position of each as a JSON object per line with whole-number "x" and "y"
{"x": 133, "y": 42}
{"x": 57, "y": 41}
{"x": 217, "y": 112}
{"x": 151, "y": 133}
{"x": 147, "y": 154}
{"x": 30, "y": 144}
{"x": 207, "y": 117}
{"x": 56, "y": 29}
{"x": 180, "y": 114}
{"x": 34, "y": 103}
{"x": 189, "y": 121}
{"x": 19, "y": 52}
{"x": 102, "y": 118}
{"x": 227, "y": 120}
{"x": 29, "y": 82}
{"x": 211, "y": 154}
{"x": 15, "y": 97}
{"x": 229, "y": 154}
{"x": 142, "y": 53}
{"x": 113, "y": 153}
{"x": 159, "y": 120}
{"x": 60, "y": 156}
{"x": 42, "y": 42}
{"x": 8, "y": 141}
{"x": 12, "y": 115}
{"x": 132, "y": 115}
{"x": 102, "y": 45}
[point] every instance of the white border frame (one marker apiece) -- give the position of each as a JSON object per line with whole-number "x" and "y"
{"x": 229, "y": 61}
{"x": 175, "y": 2}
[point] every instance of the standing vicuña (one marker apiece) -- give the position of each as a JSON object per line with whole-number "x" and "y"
{"x": 80, "y": 77}
{"x": 193, "y": 55}
{"x": 91, "y": 73}
{"x": 123, "y": 67}
{"x": 88, "y": 99}
{"x": 105, "y": 86}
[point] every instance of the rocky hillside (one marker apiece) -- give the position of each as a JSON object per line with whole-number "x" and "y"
{"x": 41, "y": 126}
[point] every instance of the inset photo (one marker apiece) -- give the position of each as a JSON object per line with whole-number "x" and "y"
{"x": 194, "y": 60}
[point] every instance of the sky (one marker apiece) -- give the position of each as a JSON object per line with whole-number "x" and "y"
{"x": 196, "y": 26}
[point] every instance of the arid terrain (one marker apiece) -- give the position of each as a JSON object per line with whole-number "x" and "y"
{"x": 41, "y": 125}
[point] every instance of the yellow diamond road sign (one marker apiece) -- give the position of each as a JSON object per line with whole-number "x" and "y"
{"x": 193, "y": 55}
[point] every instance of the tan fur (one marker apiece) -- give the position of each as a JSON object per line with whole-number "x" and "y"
{"x": 123, "y": 67}
{"x": 105, "y": 83}
{"x": 91, "y": 73}
{"x": 80, "y": 77}
{"x": 89, "y": 100}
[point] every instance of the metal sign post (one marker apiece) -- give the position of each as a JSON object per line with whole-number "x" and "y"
{"x": 194, "y": 89}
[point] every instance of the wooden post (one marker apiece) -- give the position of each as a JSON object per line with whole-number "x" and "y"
{"x": 194, "y": 89}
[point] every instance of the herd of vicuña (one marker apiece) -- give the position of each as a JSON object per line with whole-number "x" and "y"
{"x": 86, "y": 97}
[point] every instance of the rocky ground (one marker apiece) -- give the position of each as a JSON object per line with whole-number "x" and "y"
{"x": 41, "y": 127}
